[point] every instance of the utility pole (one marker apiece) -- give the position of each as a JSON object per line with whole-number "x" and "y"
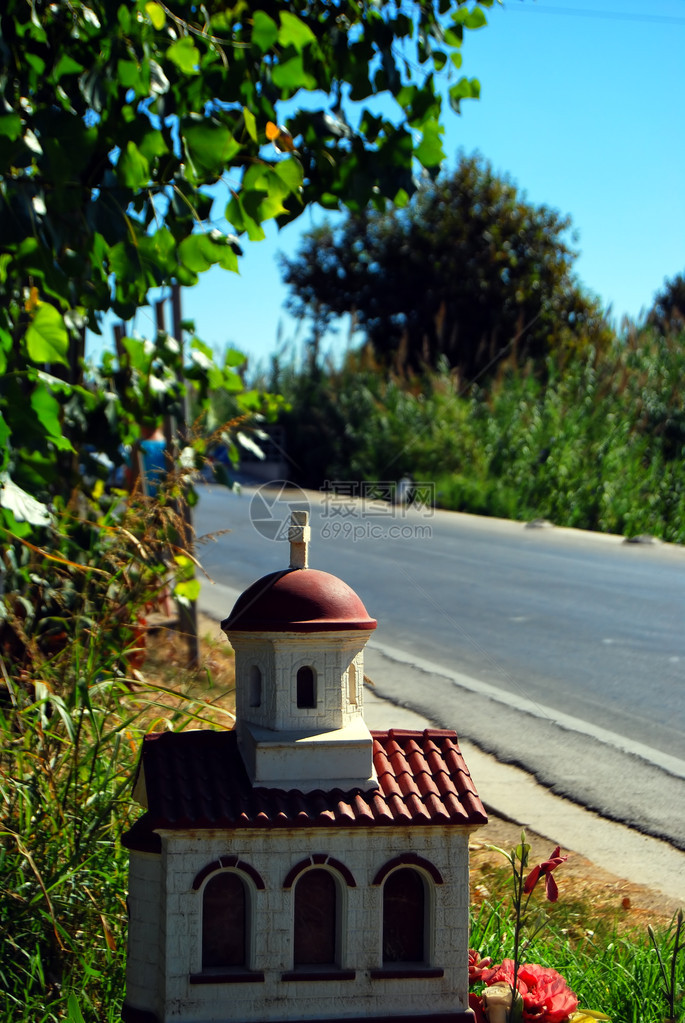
{"x": 187, "y": 612}
{"x": 174, "y": 432}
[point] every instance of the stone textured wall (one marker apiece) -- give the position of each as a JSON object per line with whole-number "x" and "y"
{"x": 144, "y": 961}
{"x": 273, "y": 853}
{"x": 279, "y": 655}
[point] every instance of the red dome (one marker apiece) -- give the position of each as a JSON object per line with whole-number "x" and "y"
{"x": 298, "y": 600}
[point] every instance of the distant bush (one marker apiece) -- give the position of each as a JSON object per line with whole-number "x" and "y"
{"x": 598, "y": 444}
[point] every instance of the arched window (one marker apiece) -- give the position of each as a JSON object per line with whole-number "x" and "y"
{"x": 316, "y": 911}
{"x": 224, "y": 921}
{"x": 352, "y": 685}
{"x": 306, "y": 687}
{"x": 255, "y": 687}
{"x": 404, "y": 916}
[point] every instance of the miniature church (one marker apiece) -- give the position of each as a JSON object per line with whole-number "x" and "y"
{"x": 299, "y": 866}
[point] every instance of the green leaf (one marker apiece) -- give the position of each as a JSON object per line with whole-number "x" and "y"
{"x": 232, "y": 381}
{"x": 464, "y": 89}
{"x": 429, "y": 152}
{"x": 133, "y": 169}
{"x": 66, "y": 65}
{"x": 185, "y": 566}
{"x": 75, "y": 1014}
{"x": 291, "y": 174}
{"x": 198, "y": 252}
{"x": 128, "y": 74}
{"x": 138, "y": 356}
{"x": 153, "y": 144}
{"x": 233, "y": 357}
{"x": 210, "y": 146}
{"x": 46, "y": 338}
{"x": 250, "y": 124}
{"x": 36, "y": 62}
{"x": 237, "y": 215}
{"x": 47, "y": 410}
{"x": 187, "y": 591}
{"x": 156, "y": 14}
{"x": 264, "y": 31}
{"x": 508, "y": 855}
{"x": 291, "y": 75}
{"x": 185, "y": 55}
{"x": 10, "y": 126}
{"x": 475, "y": 19}
{"x": 263, "y": 193}
{"x": 5, "y": 434}
{"x": 5, "y": 346}
{"x": 294, "y": 32}
{"x": 454, "y": 36}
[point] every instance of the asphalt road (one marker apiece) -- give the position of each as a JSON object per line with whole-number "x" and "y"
{"x": 559, "y": 651}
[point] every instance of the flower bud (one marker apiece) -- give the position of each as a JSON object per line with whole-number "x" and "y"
{"x": 497, "y": 1003}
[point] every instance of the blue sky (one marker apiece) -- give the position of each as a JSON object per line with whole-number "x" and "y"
{"x": 582, "y": 107}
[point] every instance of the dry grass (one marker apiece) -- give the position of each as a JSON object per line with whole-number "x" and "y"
{"x": 207, "y": 691}
{"x": 596, "y": 896}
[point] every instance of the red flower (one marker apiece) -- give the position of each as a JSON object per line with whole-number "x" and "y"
{"x": 477, "y": 966}
{"x": 477, "y": 1006}
{"x": 545, "y": 869}
{"x": 546, "y": 995}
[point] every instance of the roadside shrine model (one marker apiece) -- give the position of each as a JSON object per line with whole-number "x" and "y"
{"x": 300, "y": 867}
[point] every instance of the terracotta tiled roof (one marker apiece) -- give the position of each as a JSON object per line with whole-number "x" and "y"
{"x": 197, "y": 780}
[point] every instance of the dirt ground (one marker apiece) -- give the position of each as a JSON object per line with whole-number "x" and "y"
{"x": 612, "y": 899}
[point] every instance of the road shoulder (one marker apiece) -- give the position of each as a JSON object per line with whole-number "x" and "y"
{"x": 642, "y": 869}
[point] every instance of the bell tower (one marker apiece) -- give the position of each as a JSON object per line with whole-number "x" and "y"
{"x": 299, "y": 636}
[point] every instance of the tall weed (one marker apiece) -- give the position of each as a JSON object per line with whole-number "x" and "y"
{"x": 597, "y": 442}
{"x": 618, "y": 975}
{"x": 73, "y": 707}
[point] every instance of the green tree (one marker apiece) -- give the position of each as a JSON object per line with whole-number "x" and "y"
{"x": 668, "y": 309}
{"x": 128, "y": 131}
{"x": 469, "y": 270}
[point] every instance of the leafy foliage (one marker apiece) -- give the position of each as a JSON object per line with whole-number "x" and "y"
{"x": 668, "y": 309}
{"x": 128, "y": 131}
{"x": 599, "y": 445}
{"x": 73, "y": 707}
{"x": 118, "y": 116}
{"x": 470, "y": 271}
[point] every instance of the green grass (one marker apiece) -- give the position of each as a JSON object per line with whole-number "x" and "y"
{"x": 72, "y": 717}
{"x": 616, "y": 974}
{"x": 66, "y": 767}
